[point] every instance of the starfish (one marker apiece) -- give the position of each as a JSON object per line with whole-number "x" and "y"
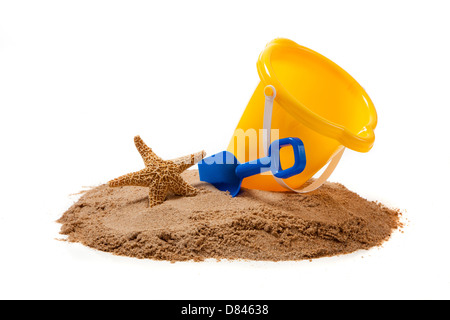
{"x": 160, "y": 176}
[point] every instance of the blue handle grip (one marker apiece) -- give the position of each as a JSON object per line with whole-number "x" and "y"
{"x": 272, "y": 162}
{"x": 299, "y": 156}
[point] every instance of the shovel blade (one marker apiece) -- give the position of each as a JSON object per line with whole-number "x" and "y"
{"x": 220, "y": 171}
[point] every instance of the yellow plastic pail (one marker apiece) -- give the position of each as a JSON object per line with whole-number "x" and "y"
{"x": 316, "y": 101}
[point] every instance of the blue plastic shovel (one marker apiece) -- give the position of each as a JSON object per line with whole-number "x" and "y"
{"x": 225, "y": 172}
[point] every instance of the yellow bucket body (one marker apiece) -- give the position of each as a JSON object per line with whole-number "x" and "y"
{"x": 316, "y": 101}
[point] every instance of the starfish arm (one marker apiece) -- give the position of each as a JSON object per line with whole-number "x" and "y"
{"x": 188, "y": 161}
{"x": 181, "y": 187}
{"x": 157, "y": 193}
{"x": 146, "y": 152}
{"x": 137, "y": 179}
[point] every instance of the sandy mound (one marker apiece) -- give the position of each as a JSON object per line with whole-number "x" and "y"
{"x": 256, "y": 225}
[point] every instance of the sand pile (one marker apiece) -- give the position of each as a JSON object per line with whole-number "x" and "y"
{"x": 256, "y": 225}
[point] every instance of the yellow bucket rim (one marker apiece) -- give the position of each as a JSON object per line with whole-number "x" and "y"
{"x": 362, "y": 142}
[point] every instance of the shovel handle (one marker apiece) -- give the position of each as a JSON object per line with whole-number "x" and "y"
{"x": 273, "y": 163}
{"x": 253, "y": 167}
{"x": 299, "y": 156}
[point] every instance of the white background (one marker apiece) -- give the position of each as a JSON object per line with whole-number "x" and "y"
{"x": 78, "y": 79}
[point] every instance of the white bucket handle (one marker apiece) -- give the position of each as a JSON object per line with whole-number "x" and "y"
{"x": 267, "y": 126}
